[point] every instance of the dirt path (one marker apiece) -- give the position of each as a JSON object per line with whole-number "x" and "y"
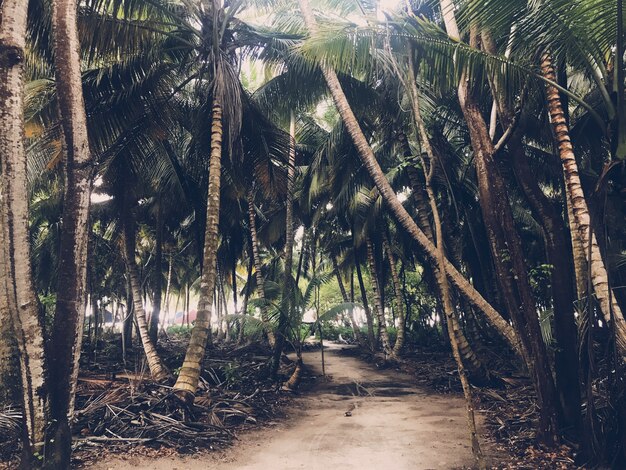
{"x": 391, "y": 425}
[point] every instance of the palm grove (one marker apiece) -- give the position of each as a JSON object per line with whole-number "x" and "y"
{"x": 456, "y": 167}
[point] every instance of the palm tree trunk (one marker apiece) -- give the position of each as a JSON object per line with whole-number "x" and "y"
{"x": 157, "y": 369}
{"x": 258, "y": 272}
{"x": 468, "y": 356}
{"x": 158, "y": 275}
{"x": 399, "y": 299}
{"x": 368, "y": 313}
{"x": 244, "y": 307}
{"x": 283, "y": 317}
{"x": 505, "y": 245}
{"x": 72, "y": 271}
{"x": 16, "y": 282}
{"x": 581, "y": 221}
{"x": 189, "y": 376}
{"x": 380, "y": 308}
{"x": 389, "y": 196}
{"x": 344, "y": 296}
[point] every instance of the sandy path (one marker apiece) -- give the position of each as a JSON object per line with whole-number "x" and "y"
{"x": 393, "y": 425}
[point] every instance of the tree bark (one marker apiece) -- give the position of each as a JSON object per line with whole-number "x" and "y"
{"x": 368, "y": 313}
{"x": 158, "y": 371}
{"x": 189, "y": 375}
{"x": 399, "y": 299}
{"x": 283, "y": 317}
{"x": 581, "y": 221}
{"x": 158, "y": 274}
{"x": 505, "y": 245}
{"x": 389, "y": 196}
{"x": 66, "y": 337}
{"x": 16, "y": 281}
{"x": 380, "y": 308}
{"x": 258, "y": 269}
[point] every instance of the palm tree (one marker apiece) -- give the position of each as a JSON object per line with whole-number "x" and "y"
{"x": 390, "y": 198}
{"x": 16, "y": 286}
{"x": 72, "y": 278}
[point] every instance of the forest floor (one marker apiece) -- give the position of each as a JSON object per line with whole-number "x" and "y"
{"x": 357, "y": 417}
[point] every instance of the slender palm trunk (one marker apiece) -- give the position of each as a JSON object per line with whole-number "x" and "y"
{"x": 389, "y": 196}
{"x": 344, "y": 296}
{"x": 398, "y": 297}
{"x": 157, "y": 369}
{"x": 371, "y": 338}
{"x": 244, "y": 307}
{"x": 158, "y": 275}
{"x": 189, "y": 376}
{"x": 467, "y": 353}
{"x": 283, "y": 317}
{"x": 453, "y": 325}
{"x": 380, "y": 308}
{"x": 258, "y": 272}
{"x": 580, "y": 223}
{"x": 16, "y": 282}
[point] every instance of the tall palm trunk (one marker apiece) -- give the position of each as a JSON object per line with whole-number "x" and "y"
{"x": 453, "y": 325}
{"x": 371, "y": 338}
{"x": 189, "y": 376}
{"x": 505, "y": 244}
{"x": 389, "y": 196}
{"x": 344, "y": 296}
{"x": 158, "y": 275}
{"x": 258, "y": 272}
{"x": 16, "y": 282}
{"x": 66, "y": 337}
{"x": 379, "y": 307}
{"x": 288, "y": 304}
{"x": 244, "y": 307}
{"x": 398, "y": 297}
{"x": 470, "y": 359}
{"x": 157, "y": 369}
{"x": 580, "y": 223}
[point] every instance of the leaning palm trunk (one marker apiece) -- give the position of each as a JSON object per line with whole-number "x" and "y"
{"x": 260, "y": 281}
{"x": 397, "y": 289}
{"x": 453, "y": 325}
{"x": 157, "y": 369}
{"x": 468, "y": 356}
{"x": 189, "y": 376}
{"x": 16, "y": 283}
{"x": 389, "y": 196}
{"x": 380, "y": 308}
{"x": 72, "y": 271}
{"x": 580, "y": 223}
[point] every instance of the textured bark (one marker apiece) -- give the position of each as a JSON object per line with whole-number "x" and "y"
{"x": 66, "y": 337}
{"x": 378, "y": 301}
{"x": 389, "y": 196}
{"x": 581, "y": 220}
{"x": 559, "y": 255}
{"x": 16, "y": 281}
{"x": 368, "y": 313}
{"x": 258, "y": 271}
{"x": 157, "y": 369}
{"x": 283, "y": 317}
{"x": 9, "y": 365}
{"x": 466, "y": 352}
{"x": 158, "y": 275}
{"x": 187, "y": 382}
{"x": 505, "y": 245}
{"x": 244, "y": 307}
{"x": 398, "y": 297}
